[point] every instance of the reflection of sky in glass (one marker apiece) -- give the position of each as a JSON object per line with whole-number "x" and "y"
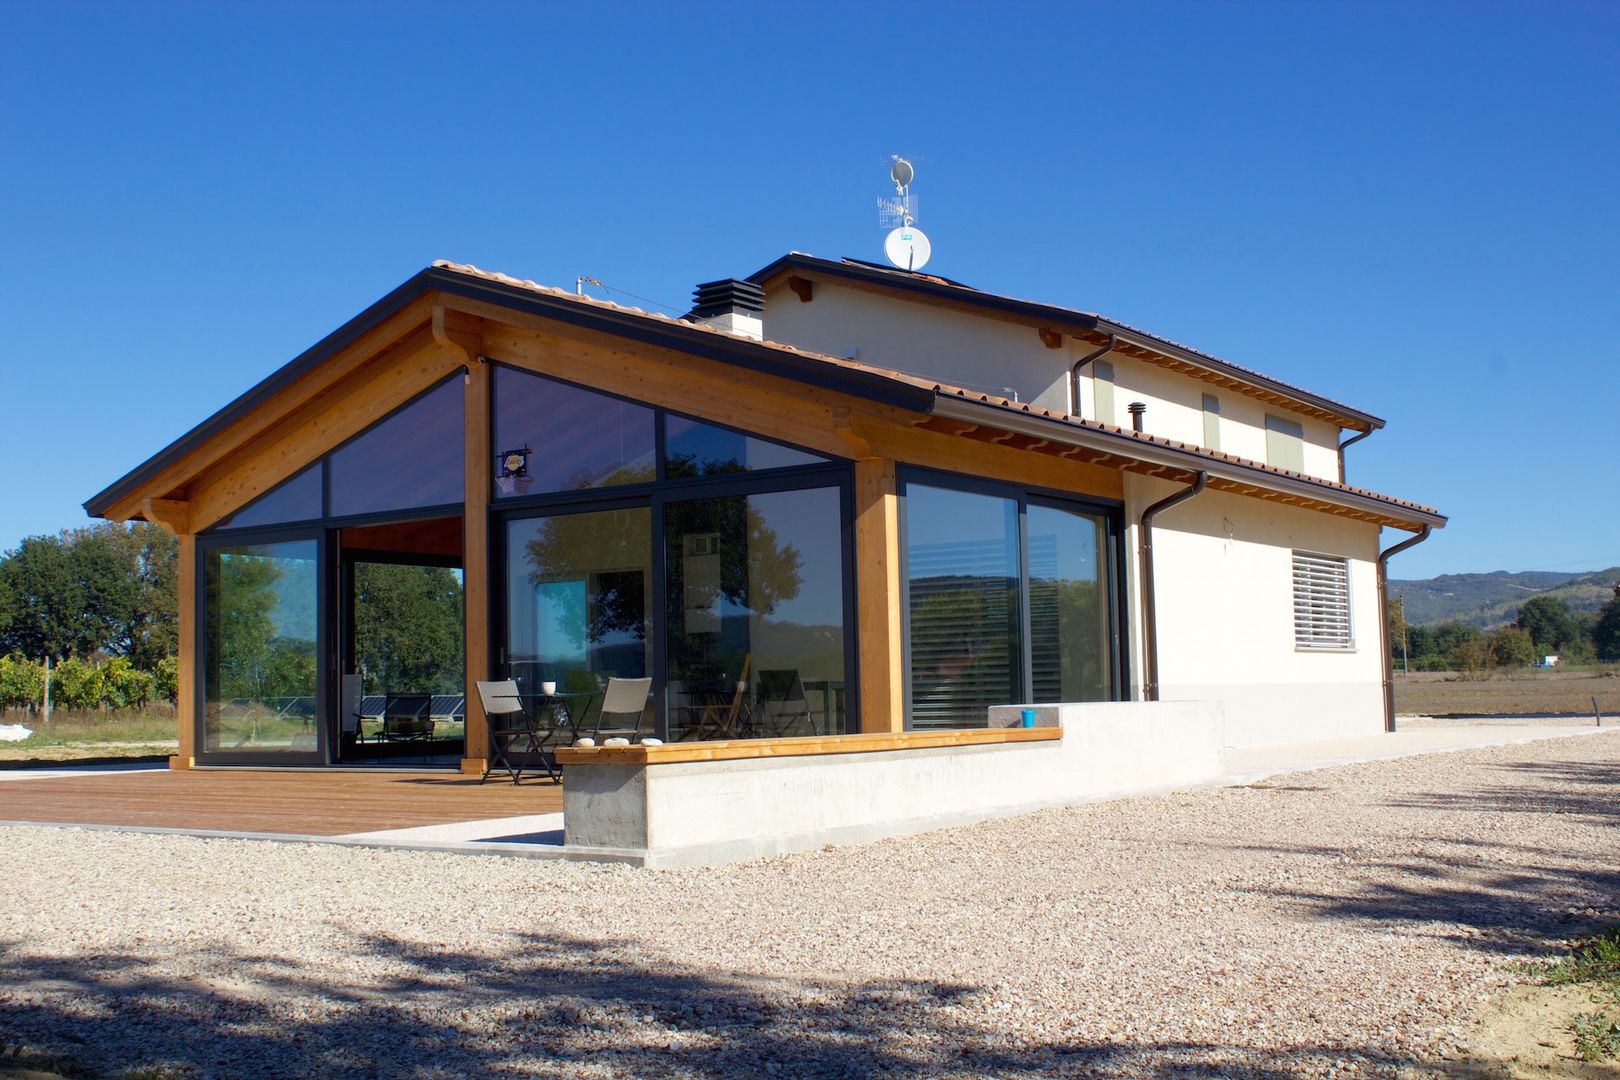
{"x": 577, "y": 439}
{"x": 960, "y": 532}
{"x": 808, "y": 520}
{"x": 413, "y": 458}
{"x": 293, "y": 614}
{"x": 698, "y": 449}
{"x": 299, "y": 499}
{"x": 1062, "y": 545}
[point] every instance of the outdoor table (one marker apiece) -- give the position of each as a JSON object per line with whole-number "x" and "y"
{"x": 559, "y": 707}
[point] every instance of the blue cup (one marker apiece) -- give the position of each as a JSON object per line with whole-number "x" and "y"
{"x": 1029, "y": 717}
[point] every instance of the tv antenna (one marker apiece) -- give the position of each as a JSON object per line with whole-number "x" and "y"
{"x": 906, "y": 246}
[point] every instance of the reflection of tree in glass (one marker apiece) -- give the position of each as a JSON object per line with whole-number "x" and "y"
{"x": 757, "y": 570}
{"x": 590, "y": 548}
{"x": 246, "y": 657}
{"x": 680, "y": 466}
{"x": 408, "y": 628}
{"x": 1066, "y": 630}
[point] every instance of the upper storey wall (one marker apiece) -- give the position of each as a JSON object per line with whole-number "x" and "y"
{"x": 1007, "y": 359}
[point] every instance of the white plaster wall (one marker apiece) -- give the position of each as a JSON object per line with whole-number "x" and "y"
{"x": 1224, "y": 585}
{"x": 716, "y": 811}
{"x": 987, "y": 354}
{"x": 1176, "y": 411}
{"x": 970, "y": 351}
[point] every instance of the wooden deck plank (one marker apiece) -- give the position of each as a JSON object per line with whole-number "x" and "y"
{"x": 315, "y": 803}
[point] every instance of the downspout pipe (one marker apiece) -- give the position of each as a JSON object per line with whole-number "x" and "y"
{"x": 1150, "y": 618}
{"x": 1351, "y": 441}
{"x": 1074, "y": 373}
{"x": 1383, "y": 621}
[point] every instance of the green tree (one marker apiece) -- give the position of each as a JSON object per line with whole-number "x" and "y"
{"x": 1548, "y": 622}
{"x": 45, "y": 598}
{"x": 1512, "y": 646}
{"x": 408, "y": 628}
{"x": 1606, "y": 635}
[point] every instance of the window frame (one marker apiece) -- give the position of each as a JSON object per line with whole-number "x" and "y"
{"x": 1112, "y": 573}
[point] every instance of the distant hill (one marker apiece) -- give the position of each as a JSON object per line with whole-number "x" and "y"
{"x": 1488, "y": 600}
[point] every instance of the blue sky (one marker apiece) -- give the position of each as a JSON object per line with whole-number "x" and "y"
{"x": 1410, "y": 207}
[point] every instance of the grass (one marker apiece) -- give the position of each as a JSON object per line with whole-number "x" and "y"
{"x": 1594, "y": 963}
{"x": 89, "y": 736}
{"x": 1519, "y": 692}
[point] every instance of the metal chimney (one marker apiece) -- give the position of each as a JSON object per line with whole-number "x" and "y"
{"x": 730, "y": 305}
{"x": 1137, "y": 409}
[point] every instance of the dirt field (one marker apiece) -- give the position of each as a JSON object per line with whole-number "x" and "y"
{"x": 1527, "y": 693}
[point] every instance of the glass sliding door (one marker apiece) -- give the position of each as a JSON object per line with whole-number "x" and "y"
{"x": 1010, "y": 599}
{"x": 1071, "y": 654}
{"x": 962, "y": 565}
{"x": 260, "y": 646}
{"x": 577, "y": 587}
{"x": 754, "y": 623}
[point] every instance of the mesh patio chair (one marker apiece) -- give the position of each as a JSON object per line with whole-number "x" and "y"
{"x": 783, "y": 706}
{"x": 406, "y": 719}
{"x": 510, "y": 730}
{"x": 623, "y": 704}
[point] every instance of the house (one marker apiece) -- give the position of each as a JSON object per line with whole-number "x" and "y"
{"x": 835, "y": 498}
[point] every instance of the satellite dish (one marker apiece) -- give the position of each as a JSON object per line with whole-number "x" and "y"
{"x": 901, "y": 173}
{"x": 907, "y": 248}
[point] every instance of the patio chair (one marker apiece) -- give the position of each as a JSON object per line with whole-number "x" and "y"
{"x": 509, "y": 729}
{"x": 623, "y": 703}
{"x": 406, "y": 719}
{"x": 783, "y": 705}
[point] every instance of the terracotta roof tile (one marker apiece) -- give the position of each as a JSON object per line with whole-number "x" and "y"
{"x": 945, "y": 389}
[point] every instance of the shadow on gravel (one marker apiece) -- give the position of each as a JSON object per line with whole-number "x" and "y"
{"x": 1506, "y": 897}
{"x": 562, "y": 1006}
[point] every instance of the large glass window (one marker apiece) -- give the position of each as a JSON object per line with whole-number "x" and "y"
{"x": 411, "y": 459}
{"x": 576, "y": 601}
{"x": 297, "y": 499}
{"x": 755, "y": 616}
{"x": 563, "y": 438}
{"x": 1009, "y": 602}
{"x": 1070, "y": 657}
{"x": 693, "y": 448}
{"x": 261, "y": 605}
{"x": 962, "y": 573}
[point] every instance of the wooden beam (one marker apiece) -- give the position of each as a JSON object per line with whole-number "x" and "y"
{"x": 390, "y": 380}
{"x": 802, "y": 288}
{"x": 174, "y": 515}
{"x": 266, "y": 419}
{"x": 877, "y": 596}
{"x": 1052, "y": 339}
{"x": 859, "y": 448}
{"x": 185, "y": 702}
{"x": 476, "y": 570}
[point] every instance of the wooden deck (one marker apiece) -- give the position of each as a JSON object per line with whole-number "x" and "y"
{"x": 325, "y": 803}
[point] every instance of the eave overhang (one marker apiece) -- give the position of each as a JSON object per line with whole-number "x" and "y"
{"x": 1169, "y": 458}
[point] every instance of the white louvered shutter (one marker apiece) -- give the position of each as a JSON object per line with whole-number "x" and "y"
{"x": 1321, "y": 601}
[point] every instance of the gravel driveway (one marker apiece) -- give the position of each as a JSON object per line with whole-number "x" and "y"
{"x": 1325, "y": 921}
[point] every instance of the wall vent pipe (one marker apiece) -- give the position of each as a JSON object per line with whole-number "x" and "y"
{"x": 1138, "y": 411}
{"x": 1383, "y": 621}
{"x": 1150, "y": 617}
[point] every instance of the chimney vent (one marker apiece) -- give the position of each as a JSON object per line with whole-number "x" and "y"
{"x": 730, "y": 305}
{"x": 1137, "y": 409}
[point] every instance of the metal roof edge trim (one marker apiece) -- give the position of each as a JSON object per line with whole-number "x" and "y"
{"x": 1127, "y": 445}
{"x": 264, "y": 389}
{"x": 1062, "y": 316}
{"x": 683, "y": 337}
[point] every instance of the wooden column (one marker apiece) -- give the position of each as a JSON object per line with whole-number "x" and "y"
{"x": 185, "y": 703}
{"x": 877, "y": 591}
{"x": 475, "y": 559}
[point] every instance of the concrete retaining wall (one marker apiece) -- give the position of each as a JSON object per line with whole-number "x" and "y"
{"x": 705, "y": 812}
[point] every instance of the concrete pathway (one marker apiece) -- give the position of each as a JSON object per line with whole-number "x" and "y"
{"x": 1245, "y": 766}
